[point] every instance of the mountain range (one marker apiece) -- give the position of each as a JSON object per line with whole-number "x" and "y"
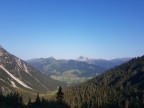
{"x": 119, "y": 87}
{"x": 107, "y": 64}
{"x": 76, "y": 70}
{"x": 70, "y": 71}
{"x": 17, "y": 75}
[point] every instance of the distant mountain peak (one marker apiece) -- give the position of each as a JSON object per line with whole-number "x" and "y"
{"x": 52, "y": 58}
{"x": 82, "y": 58}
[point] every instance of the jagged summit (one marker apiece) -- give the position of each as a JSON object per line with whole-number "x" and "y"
{"x": 82, "y": 58}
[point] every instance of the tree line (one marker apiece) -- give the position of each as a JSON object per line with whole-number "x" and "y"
{"x": 15, "y": 100}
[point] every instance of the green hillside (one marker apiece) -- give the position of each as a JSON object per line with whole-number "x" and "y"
{"x": 119, "y": 87}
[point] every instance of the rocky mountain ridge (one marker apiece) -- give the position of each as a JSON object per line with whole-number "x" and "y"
{"x": 16, "y": 74}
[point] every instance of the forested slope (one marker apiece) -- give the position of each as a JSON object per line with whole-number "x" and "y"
{"x": 120, "y": 87}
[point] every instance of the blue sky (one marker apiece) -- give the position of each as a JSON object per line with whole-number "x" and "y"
{"x": 71, "y": 28}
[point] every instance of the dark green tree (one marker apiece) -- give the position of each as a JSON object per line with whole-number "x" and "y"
{"x": 1, "y": 93}
{"x": 29, "y": 102}
{"x": 143, "y": 99}
{"x": 38, "y": 101}
{"x": 20, "y": 99}
{"x": 126, "y": 103}
{"x": 60, "y": 95}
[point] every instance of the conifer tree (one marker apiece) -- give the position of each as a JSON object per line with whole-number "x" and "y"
{"x": 60, "y": 95}
{"x": 29, "y": 102}
{"x": 143, "y": 99}
{"x": 37, "y": 102}
{"x": 21, "y": 99}
{"x": 126, "y": 103}
{"x": 1, "y": 92}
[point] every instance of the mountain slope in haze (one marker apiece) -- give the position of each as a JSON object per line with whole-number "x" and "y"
{"x": 65, "y": 70}
{"x": 120, "y": 87}
{"x": 74, "y": 71}
{"x": 107, "y": 64}
{"x": 15, "y": 74}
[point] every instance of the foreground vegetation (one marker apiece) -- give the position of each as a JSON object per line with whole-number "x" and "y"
{"x": 15, "y": 100}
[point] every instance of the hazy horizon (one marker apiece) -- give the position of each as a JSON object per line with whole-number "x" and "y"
{"x": 67, "y": 29}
